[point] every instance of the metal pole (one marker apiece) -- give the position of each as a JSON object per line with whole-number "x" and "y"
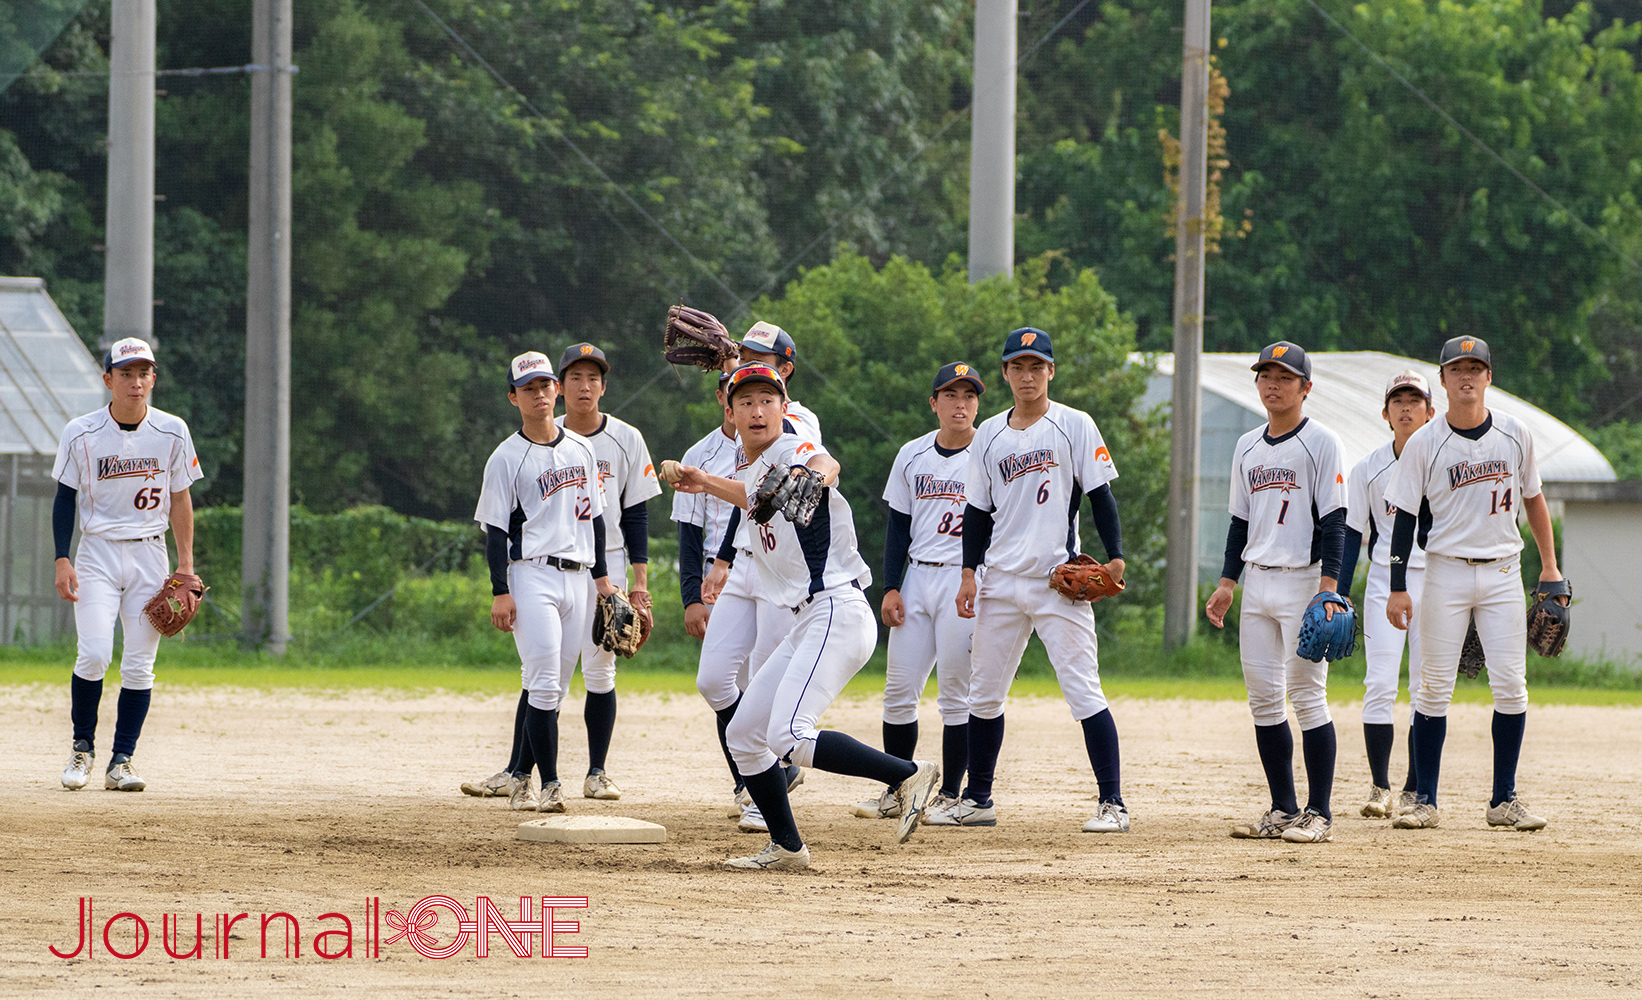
{"x": 992, "y": 143}
{"x": 128, "y": 265}
{"x": 265, "y": 559}
{"x": 1180, "y": 595}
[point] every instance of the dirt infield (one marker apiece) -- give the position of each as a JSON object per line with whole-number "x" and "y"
{"x": 309, "y": 803}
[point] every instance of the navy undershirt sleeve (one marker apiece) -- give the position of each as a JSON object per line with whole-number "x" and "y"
{"x": 600, "y": 567}
{"x": 726, "y": 548}
{"x": 1104, "y": 508}
{"x": 977, "y": 535}
{"x": 691, "y": 542}
{"x": 1237, "y": 539}
{"x": 897, "y": 543}
{"x": 496, "y": 558}
{"x": 62, "y": 518}
{"x": 635, "y": 532}
{"x": 1348, "y": 559}
{"x": 1334, "y": 536}
{"x": 1402, "y": 546}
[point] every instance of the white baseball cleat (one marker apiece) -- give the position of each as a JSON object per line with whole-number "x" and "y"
{"x": 1379, "y": 804}
{"x": 492, "y": 787}
{"x": 1312, "y": 828}
{"x": 964, "y": 813}
{"x": 78, "y": 770}
{"x": 599, "y": 786}
{"x": 796, "y": 779}
{"x": 1513, "y": 812}
{"x": 551, "y": 799}
{"x": 120, "y": 776}
{"x": 521, "y": 795}
{"x": 773, "y": 857}
{"x": 1422, "y": 817}
{"x": 752, "y": 821}
{"x": 914, "y": 795}
{"x": 1110, "y": 818}
{"x": 1270, "y": 826}
{"x": 885, "y": 806}
{"x": 938, "y": 806}
{"x": 1407, "y": 799}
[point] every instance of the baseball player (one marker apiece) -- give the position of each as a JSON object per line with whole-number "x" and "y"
{"x": 628, "y": 479}
{"x": 1288, "y": 502}
{"x": 1407, "y": 408}
{"x": 1029, "y": 469}
{"x": 816, "y": 571}
{"x": 1460, "y": 482}
{"x": 543, "y": 515}
{"x": 126, "y": 470}
{"x": 925, "y": 494}
{"x": 768, "y": 344}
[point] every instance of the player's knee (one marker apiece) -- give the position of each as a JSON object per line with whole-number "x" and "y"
{"x": 1309, "y": 714}
{"x": 136, "y": 676}
{"x": 1511, "y": 702}
{"x": 717, "y": 689}
{"x": 92, "y": 667}
{"x": 1267, "y": 708}
{"x": 783, "y": 741}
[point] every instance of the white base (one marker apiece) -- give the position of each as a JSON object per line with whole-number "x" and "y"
{"x": 592, "y": 830}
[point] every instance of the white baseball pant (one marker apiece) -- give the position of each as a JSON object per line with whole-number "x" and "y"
{"x": 1453, "y": 591}
{"x": 933, "y": 636}
{"x": 830, "y": 641}
{"x": 1274, "y": 605}
{"x": 598, "y": 663}
{"x": 1383, "y": 645}
{"x": 743, "y": 629}
{"x": 116, "y": 579}
{"x": 1009, "y": 607}
{"x": 552, "y": 618}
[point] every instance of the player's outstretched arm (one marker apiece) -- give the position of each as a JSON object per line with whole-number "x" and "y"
{"x": 1539, "y": 522}
{"x": 694, "y": 480}
{"x": 182, "y": 529}
{"x": 826, "y": 467}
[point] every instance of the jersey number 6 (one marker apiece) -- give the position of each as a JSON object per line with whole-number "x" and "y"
{"x": 1043, "y": 493}
{"x": 147, "y": 499}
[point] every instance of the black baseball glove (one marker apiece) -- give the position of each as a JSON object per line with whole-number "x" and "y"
{"x": 617, "y": 626}
{"x": 1550, "y": 619}
{"x": 794, "y": 491}
{"x": 1471, "y": 658}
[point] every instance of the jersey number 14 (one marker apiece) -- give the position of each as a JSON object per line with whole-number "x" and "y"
{"x": 1500, "y": 503}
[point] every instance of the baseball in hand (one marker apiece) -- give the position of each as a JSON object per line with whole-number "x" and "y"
{"x": 669, "y": 472}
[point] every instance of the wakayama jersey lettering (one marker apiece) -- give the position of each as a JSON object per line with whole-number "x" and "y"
{"x": 125, "y": 478}
{"x": 545, "y": 495}
{"x": 1283, "y": 487}
{"x": 930, "y": 487}
{"x": 1474, "y": 488}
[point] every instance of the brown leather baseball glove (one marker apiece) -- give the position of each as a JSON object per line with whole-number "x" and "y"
{"x": 176, "y": 604}
{"x": 694, "y": 337}
{"x": 1084, "y": 579}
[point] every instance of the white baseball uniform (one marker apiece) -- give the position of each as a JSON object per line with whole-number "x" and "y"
{"x": 927, "y": 483}
{"x": 124, "y": 481}
{"x": 1473, "y": 483}
{"x": 626, "y": 477}
{"x": 1033, "y": 481}
{"x": 1283, "y": 487}
{"x": 804, "y": 415}
{"x": 1369, "y": 514}
{"x": 817, "y": 573}
{"x": 715, "y": 455}
{"x": 546, "y": 497}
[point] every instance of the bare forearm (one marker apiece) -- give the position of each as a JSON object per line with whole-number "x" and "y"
{"x": 1539, "y": 522}
{"x": 728, "y": 490}
{"x": 182, "y": 529}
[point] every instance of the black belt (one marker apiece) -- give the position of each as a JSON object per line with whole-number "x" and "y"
{"x": 1467, "y": 560}
{"x": 920, "y": 562}
{"x": 806, "y": 602}
{"x": 557, "y": 563}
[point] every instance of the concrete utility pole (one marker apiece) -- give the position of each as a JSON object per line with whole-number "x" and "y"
{"x": 265, "y": 568}
{"x": 992, "y": 143}
{"x": 128, "y": 265}
{"x": 1180, "y": 593}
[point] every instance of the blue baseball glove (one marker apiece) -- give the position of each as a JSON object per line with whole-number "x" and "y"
{"x": 1325, "y": 638}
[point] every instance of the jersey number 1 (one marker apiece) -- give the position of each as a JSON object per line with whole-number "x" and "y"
{"x": 1282, "y": 515}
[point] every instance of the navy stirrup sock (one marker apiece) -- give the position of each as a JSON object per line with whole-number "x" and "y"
{"x": 769, "y": 792}
{"x": 1276, "y": 746}
{"x": 1507, "y": 751}
{"x": 128, "y": 724}
{"x": 1409, "y": 784}
{"x": 1429, "y": 733}
{"x": 1100, "y": 739}
{"x": 542, "y": 726}
{"x": 901, "y": 740}
{"x": 1319, "y": 747}
{"x": 724, "y": 717}
{"x": 599, "y": 713}
{"x": 85, "y": 696}
{"x": 1377, "y": 740}
{"x": 954, "y": 757}
{"x": 985, "y": 741}
{"x": 518, "y": 735}
{"x": 841, "y": 754}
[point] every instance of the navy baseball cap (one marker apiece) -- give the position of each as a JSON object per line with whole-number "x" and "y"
{"x": 583, "y": 352}
{"x": 956, "y": 372}
{"x": 767, "y": 338}
{"x": 528, "y": 366}
{"x": 1459, "y": 348}
{"x": 755, "y": 373}
{"x": 1285, "y": 355}
{"x": 1028, "y": 340}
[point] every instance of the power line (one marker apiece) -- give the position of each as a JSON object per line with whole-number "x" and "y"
{"x": 1434, "y": 106}
{"x": 188, "y": 71}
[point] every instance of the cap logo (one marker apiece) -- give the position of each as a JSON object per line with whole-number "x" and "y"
{"x": 525, "y": 366}
{"x": 1027, "y": 338}
{"x": 1466, "y": 345}
{"x": 961, "y": 370}
{"x": 1278, "y": 352}
{"x": 587, "y": 348}
{"x": 130, "y": 349}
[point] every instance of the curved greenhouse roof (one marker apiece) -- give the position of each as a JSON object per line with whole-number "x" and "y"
{"x": 47, "y": 377}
